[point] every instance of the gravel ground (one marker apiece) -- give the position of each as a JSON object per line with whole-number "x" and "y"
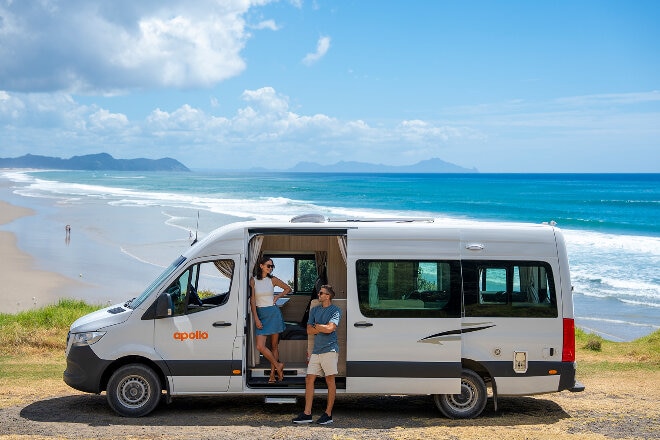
{"x": 614, "y": 407}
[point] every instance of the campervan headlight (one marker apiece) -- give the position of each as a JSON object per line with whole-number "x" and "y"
{"x": 87, "y": 338}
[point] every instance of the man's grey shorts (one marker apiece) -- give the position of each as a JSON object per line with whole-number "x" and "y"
{"x": 324, "y": 364}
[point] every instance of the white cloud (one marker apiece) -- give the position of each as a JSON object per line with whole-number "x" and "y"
{"x": 267, "y": 24}
{"x": 267, "y": 99}
{"x": 103, "y": 120}
{"x": 184, "y": 118}
{"x": 94, "y": 46}
{"x": 322, "y": 47}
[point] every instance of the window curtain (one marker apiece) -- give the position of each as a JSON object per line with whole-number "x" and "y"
{"x": 321, "y": 259}
{"x": 543, "y": 283}
{"x": 528, "y": 283}
{"x": 255, "y": 251}
{"x": 226, "y": 267}
{"x": 374, "y": 271}
{"x": 343, "y": 243}
{"x": 254, "y": 254}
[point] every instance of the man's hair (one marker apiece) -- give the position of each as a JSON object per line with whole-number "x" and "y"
{"x": 330, "y": 290}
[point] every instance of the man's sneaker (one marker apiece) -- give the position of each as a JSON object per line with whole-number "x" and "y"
{"x": 303, "y": 418}
{"x": 324, "y": 419}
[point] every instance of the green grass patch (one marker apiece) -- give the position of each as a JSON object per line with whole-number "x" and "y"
{"x": 40, "y": 329}
{"x": 597, "y": 355}
{"x": 59, "y": 315}
{"x": 32, "y": 367}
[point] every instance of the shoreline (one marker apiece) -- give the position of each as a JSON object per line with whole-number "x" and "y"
{"x": 24, "y": 286}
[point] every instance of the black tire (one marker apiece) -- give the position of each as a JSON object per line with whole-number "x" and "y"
{"x": 134, "y": 390}
{"x": 469, "y": 403}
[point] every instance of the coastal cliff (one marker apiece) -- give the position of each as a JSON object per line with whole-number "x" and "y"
{"x": 93, "y": 162}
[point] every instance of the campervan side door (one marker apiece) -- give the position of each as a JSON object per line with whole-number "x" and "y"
{"x": 403, "y": 313}
{"x": 197, "y": 342}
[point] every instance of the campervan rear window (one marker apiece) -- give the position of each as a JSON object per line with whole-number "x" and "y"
{"x": 409, "y": 288}
{"x": 509, "y": 289}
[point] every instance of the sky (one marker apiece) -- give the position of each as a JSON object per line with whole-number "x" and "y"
{"x": 501, "y": 86}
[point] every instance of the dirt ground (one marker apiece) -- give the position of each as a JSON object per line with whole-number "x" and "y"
{"x": 617, "y": 406}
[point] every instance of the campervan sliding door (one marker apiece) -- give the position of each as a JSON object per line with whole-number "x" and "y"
{"x": 403, "y": 312}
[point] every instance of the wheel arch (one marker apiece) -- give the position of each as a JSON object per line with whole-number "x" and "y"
{"x": 135, "y": 359}
{"x": 478, "y": 368}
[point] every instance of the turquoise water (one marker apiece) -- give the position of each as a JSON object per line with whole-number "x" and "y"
{"x": 619, "y": 203}
{"x": 611, "y": 222}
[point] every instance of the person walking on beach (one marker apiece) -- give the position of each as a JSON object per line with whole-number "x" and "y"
{"x": 267, "y": 316}
{"x": 322, "y": 323}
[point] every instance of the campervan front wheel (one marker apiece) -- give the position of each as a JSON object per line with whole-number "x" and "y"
{"x": 133, "y": 390}
{"x": 469, "y": 403}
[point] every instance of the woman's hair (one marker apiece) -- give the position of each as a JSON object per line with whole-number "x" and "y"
{"x": 257, "y": 267}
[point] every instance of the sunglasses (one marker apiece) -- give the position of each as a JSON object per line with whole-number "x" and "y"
{"x": 270, "y": 266}
{"x": 324, "y": 293}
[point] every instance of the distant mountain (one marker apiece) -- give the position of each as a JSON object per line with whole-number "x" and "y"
{"x": 101, "y": 161}
{"x": 425, "y": 166}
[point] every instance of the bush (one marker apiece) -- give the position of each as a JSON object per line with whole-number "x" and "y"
{"x": 594, "y": 343}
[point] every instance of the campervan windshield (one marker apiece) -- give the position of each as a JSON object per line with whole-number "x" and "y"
{"x": 166, "y": 273}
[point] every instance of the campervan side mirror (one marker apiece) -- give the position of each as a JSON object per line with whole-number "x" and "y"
{"x": 164, "y": 306}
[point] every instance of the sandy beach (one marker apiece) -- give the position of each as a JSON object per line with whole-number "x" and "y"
{"x": 24, "y": 286}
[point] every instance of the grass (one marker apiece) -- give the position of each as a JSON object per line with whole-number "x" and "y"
{"x": 40, "y": 331}
{"x": 596, "y": 355}
{"x": 32, "y": 344}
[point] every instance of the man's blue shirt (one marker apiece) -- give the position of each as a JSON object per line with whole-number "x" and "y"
{"x": 325, "y": 342}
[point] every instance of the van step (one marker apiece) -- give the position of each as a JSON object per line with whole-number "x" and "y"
{"x": 289, "y": 371}
{"x": 280, "y": 399}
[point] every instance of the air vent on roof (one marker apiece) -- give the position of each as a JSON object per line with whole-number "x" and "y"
{"x": 308, "y": 218}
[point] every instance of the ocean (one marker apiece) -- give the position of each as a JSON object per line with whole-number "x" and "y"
{"x": 127, "y": 225}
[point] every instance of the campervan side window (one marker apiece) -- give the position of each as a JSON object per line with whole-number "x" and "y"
{"x": 409, "y": 289}
{"x": 298, "y": 271}
{"x": 202, "y": 286}
{"x": 509, "y": 289}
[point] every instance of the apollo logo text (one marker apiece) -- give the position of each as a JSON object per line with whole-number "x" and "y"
{"x": 182, "y": 336}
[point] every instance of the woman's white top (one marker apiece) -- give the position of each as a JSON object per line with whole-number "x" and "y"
{"x": 264, "y": 291}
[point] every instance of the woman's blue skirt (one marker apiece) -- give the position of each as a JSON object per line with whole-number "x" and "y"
{"x": 271, "y": 319}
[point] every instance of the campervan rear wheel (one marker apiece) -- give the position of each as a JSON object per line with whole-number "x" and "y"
{"x": 469, "y": 403}
{"x": 133, "y": 390}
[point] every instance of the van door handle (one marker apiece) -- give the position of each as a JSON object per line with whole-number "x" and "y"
{"x": 362, "y": 324}
{"x": 221, "y": 324}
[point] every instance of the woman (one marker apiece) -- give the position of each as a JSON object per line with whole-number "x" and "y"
{"x": 267, "y": 316}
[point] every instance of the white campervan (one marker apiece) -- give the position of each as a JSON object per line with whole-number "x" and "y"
{"x": 433, "y": 309}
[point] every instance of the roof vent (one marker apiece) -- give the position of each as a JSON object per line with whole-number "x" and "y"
{"x": 308, "y": 218}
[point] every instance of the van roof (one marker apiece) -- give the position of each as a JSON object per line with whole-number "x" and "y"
{"x": 235, "y": 234}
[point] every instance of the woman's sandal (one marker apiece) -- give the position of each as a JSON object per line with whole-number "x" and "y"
{"x": 280, "y": 373}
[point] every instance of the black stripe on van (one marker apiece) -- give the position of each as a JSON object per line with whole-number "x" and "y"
{"x": 402, "y": 369}
{"x": 203, "y": 367}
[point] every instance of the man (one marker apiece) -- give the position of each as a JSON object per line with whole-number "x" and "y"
{"x": 322, "y": 323}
